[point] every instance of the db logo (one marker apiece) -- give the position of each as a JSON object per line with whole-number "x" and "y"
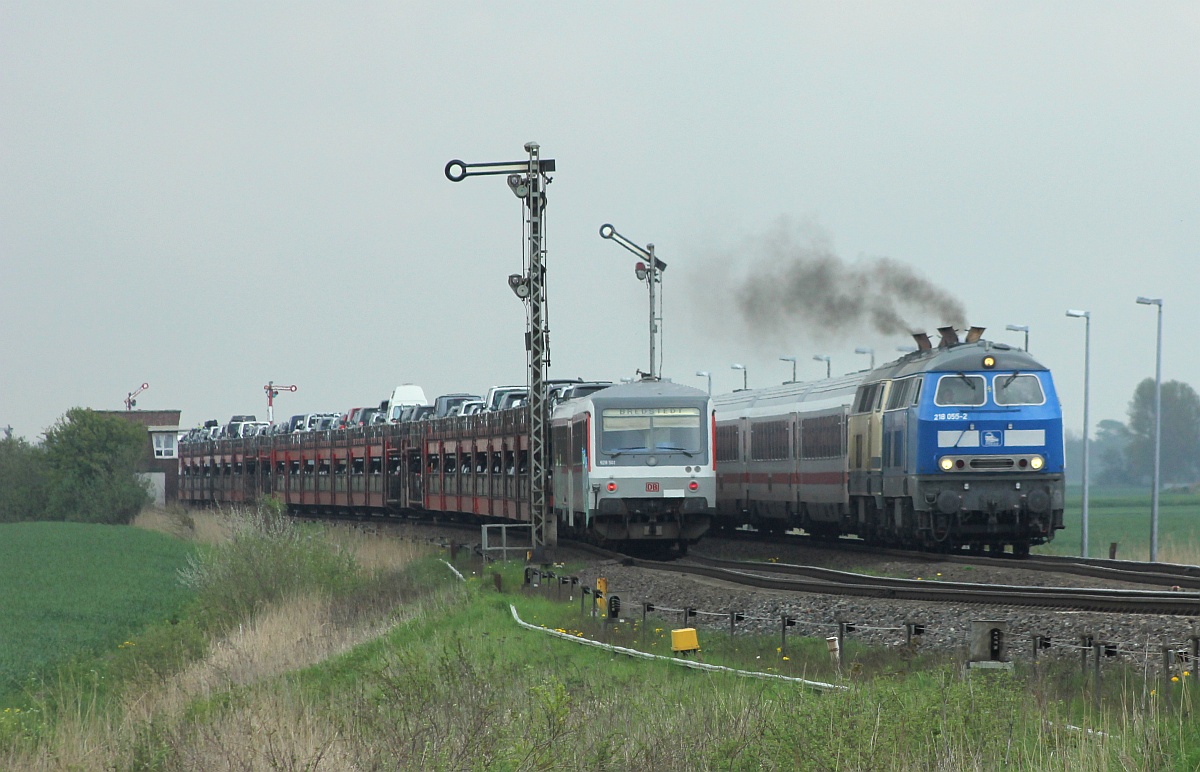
{"x": 652, "y": 487}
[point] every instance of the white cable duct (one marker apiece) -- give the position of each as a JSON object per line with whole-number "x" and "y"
{"x": 818, "y": 685}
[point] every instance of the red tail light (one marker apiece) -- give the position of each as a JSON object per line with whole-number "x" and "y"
{"x": 612, "y": 487}
{"x": 693, "y": 485}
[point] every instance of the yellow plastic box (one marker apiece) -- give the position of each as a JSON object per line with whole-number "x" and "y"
{"x": 684, "y": 640}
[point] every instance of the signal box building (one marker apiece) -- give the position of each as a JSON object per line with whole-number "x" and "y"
{"x": 160, "y": 464}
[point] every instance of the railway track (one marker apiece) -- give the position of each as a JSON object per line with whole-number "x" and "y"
{"x": 1162, "y": 574}
{"x": 792, "y": 578}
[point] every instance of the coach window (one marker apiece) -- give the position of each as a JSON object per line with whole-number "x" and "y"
{"x": 1017, "y": 389}
{"x": 960, "y": 391}
{"x": 727, "y": 443}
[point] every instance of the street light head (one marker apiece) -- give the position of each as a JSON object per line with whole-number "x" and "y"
{"x": 1017, "y": 327}
{"x": 1150, "y": 301}
{"x": 864, "y": 350}
{"x": 703, "y": 373}
{"x": 819, "y": 358}
{"x": 1079, "y": 314}
{"x": 737, "y": 367}
{"x": 788, "y": 359}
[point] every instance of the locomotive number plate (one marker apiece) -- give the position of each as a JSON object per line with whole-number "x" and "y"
{"x": 652, "y": 487}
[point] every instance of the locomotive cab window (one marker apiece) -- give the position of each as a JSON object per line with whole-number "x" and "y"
{"x": 651, "y": 429}
{"x": 1018, "y": 389}
{"x": 960, "y": 390}
{"x": 904, "y": 393}
{"x": 868, "y": 398}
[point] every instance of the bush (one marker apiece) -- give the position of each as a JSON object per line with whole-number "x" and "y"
{"x": 91, "y": 461}
{"x": 268, "y": 557}
{"x": 23, "y": 480}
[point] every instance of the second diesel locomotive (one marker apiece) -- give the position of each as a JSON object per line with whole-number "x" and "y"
{"x": 955, "y": 446}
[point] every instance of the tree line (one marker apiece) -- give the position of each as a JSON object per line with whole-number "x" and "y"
{"x": 1123, "y": 453}
{"x": 83, "y": 470}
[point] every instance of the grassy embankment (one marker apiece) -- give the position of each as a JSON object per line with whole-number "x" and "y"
{"x": 331, "y": 650}
{"x": 1123, "y": 516}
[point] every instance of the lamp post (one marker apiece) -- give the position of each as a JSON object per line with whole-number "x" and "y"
{"x": 1020, "y": 328}
{"x": 828, "y": 363}
{"x": 708, "y": 375}
{"x": 1157, "y": 426}
{"x": 793, "y": 361}
{"x": 867, "y": 350}
{"x": 1087, "y": 369}
{"x": 745, "y": 375}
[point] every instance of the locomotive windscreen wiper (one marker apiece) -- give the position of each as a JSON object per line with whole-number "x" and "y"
{"x": 1011, "y": 378}
{"x": 619, "y": 451}
{"x": 685, "y": 451}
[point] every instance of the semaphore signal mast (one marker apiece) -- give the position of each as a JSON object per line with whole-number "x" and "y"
{"x": 528, "y": 179}
{"x": 131, "y": 397}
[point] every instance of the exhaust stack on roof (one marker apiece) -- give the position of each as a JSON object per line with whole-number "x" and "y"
{"x": 949, "y": 336}
{"x": 923, "y": 343}
{"x": 974, "y": 334}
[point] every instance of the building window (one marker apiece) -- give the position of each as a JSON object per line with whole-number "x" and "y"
{"x": 164, "y": 445}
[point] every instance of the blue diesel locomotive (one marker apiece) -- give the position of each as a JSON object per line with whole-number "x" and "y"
{"x": 953, "y": 446}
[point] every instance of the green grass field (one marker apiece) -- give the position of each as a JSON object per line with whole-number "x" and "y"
{"x": 74, "y": 590}
{"x": 1123, "y": 516}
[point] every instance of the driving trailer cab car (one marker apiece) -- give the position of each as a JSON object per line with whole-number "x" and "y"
{"x": 635, "y": 462}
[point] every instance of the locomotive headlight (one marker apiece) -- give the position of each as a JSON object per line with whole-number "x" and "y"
{"x": 946, "y": 463}
{"x": 1036, "y": 463}
{"x": 989, "y": 362}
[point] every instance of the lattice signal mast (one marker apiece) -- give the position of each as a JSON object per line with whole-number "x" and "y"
{"x": 131, "y": 397}
{"x": 528, "y": 180}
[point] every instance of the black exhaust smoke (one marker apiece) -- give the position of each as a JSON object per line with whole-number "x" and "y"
{"x": 796, "y": 287}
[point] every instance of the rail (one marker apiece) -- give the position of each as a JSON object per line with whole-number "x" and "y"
{"x": 831, "y": 582}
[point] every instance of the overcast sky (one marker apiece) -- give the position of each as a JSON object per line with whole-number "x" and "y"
{"x": 207, "y": 196}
